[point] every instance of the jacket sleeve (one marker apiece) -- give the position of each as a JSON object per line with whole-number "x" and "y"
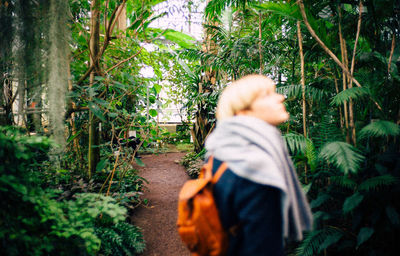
{"x": 258, "y": 209}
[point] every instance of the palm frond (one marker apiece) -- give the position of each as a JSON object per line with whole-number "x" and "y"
{"x": 292, "y": 11}
{"x": 375, "y": 183}
{"x": 355, "y": 93}
{"x": 214, "y": 8}
{"x": 343, "y": 155}
{"x": 379, "y": 129}
{"x": 296, "y": 143}
{"x": 287, "y": 10}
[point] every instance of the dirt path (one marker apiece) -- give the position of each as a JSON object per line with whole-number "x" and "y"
{"x": 158, "y": 220}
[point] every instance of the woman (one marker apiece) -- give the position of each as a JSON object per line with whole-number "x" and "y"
{"x": 259, "y": 197}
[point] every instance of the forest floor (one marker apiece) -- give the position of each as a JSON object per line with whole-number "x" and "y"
{"x": 158, "y": 218}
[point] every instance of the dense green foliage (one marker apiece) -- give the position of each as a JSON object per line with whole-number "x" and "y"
{"x": 348, "y": 158}
{"x": 37, "y": 221}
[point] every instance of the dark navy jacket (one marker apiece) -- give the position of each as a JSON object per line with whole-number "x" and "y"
{"x": 255, "y": 209}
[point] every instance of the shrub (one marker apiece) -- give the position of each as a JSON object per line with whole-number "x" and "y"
{"x": 34, "y": 222}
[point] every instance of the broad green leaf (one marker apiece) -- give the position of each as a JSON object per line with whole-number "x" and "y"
{"x": 352, "y": 202}
{"x": 139, "y": 162}
{"x": 112, "y": 114}
{"x": 153, "y": 112}
{"x": 343, "y": 155}
{"x": 96, "y": 110}
{"x": 158, "y": 88}
{"x": 101, "y": 102}
{"x": 288, "y": 10}
{"x": 101, "y": 165}
{"x": 364, "y": 234}
{"x": 330, "y": 240}
{"x": 379, "y": 129}
{"x": 71, "y": 138}
{"x": 180, "y": 38}
{"x": 322, "y": 198}
{"x": 392, "y": 215}
{"x": 119, "y": 85}
{"x": 306, "y": 188}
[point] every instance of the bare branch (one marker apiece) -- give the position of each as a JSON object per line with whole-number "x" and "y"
{"x": 125, "y": 60}
{"x": 356, "y": 42}
{"x": 326, "y": 49}
{"x": 392, "y": 51}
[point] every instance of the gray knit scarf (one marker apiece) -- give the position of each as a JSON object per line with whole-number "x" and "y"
{"x": 256, "y": 151}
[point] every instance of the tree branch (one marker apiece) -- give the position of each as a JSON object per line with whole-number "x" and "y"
{"x": 392, "y": 51}
{"x": 326, "y": 49}
{"x": 113, "y": 18}
{"x": 356, "y": 42}
{"x": 125, "y": 60}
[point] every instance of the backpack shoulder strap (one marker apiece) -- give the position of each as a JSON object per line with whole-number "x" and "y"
{"x": 222, "y": 168}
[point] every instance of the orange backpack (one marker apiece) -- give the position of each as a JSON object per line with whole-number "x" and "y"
{"x": 198, "y": 222}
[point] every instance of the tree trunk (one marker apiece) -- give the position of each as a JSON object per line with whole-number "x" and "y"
{"x": 344, "y": 75}
{"x": 351, "y": 107}
{"x": 303, "y": 88}
{"x": 94, "y": 153}
{"x": 392, "y": 51}
{"x": 6, "y": 96}
{"x": 202, "y": 126}
{"x": 76, "y": 146}
{"x": 303, "y": 83}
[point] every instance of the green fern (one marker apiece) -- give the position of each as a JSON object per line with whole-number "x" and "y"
{"x": 121, "y": 239}
{"x": 378, "y": 182}
{"x": 379, "y": 129}
{"x": 291, "y": 91}
{"x": 355, "y": 93}
{"x": 343, "y": 181}
{"x": 325, "y": 131}
{"x": 343, "y": 155}
{"x": 318, "y": 240}
{"x": 296, "y": 143}
{"x": 311, "y": 243}
{"x": 311, "y": 155}
{"x": 295, "y": 92}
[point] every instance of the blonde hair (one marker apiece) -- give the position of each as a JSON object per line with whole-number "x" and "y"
{"x": 241, "y": 93}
